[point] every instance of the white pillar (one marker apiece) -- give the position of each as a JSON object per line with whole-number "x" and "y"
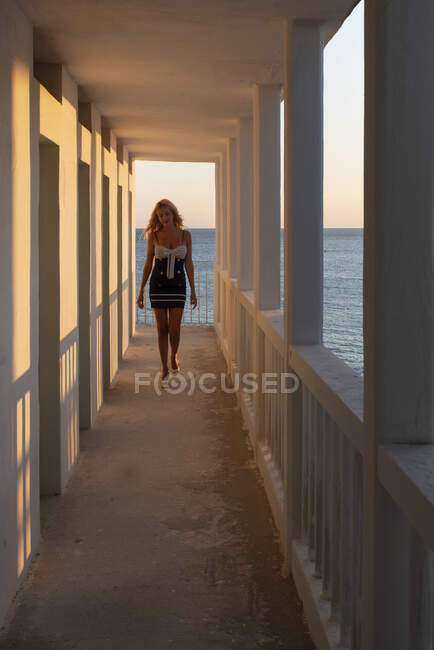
{"x": 245, "y": 203}
{"x": 303, "y": 224}
{"x": 266, "y": 172}
{"x": 266, "y": 226}
{"x": 223, "y": 249}
{"x": 217, "y": 212}
{"x": 303, "y": 182}
{"x": 223, "y": 209}
{"x": 398, "y": 300}
{"x": 232, "y": 206}
{"x": 217, "y": 264}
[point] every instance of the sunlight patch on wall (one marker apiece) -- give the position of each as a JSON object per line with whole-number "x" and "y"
{"x": 24, "y": 533}
{"x": 20, "y": 244}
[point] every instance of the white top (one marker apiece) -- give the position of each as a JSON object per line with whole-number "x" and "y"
{"x": 162, "y": 251}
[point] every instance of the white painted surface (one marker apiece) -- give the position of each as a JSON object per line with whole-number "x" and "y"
{"x": 19, "y": 412}
{"x": 362, "y": 524}
{"x": 96, "y": 270}
{"x": 266, "y": 195}
{"x": 407, "y": 473}
{"x": 232, "y": 214}
{"x": 336, "y": 386}
{"x": 223, "y": 208}
{"x": 303, "y": 182}
{"x": 227, "y": 46}
{"x": 398, "y": 299}
{"x": 218, "y": 229}
{"x": 30, "y": 112}
{"x": 325, "y": 632}
{"x": 245, "y": 199}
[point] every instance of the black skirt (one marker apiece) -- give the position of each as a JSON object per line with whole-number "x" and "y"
{"x": 167, "y": 292}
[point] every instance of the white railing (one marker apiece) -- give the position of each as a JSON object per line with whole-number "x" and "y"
{"x": 327, "y": 556}
{"x": 310, "y": 447}
{"x": 246, "y": 355}
{"x": 203, "y": 314}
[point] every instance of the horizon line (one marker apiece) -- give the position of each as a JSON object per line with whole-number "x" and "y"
{"x": 324, "y": 228}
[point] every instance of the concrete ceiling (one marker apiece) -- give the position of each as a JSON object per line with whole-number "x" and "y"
{"x": 171, "y": 77}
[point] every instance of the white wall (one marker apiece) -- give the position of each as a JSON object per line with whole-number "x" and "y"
{"x": 29, "y": 114}
{"x": 19, "y": 412}
{"x": 123, "y": 181}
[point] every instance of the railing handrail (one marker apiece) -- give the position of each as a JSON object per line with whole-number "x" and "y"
{"x": 336, "y": 386}
{"x": 333, "y": 383}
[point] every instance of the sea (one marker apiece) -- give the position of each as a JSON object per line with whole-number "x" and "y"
{"x": 342, "y": 316}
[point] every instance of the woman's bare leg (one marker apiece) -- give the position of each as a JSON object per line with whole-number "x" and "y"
{"x": 163, "y": 336}
{"x": 175, "y": 318}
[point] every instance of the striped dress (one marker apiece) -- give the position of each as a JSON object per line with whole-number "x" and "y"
{"x": 167, "y": 285}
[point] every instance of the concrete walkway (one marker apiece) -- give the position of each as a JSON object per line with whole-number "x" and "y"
{"x": 164, "y": 539}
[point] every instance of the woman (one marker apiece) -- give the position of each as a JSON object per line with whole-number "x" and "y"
{"x": 171, "y": 245}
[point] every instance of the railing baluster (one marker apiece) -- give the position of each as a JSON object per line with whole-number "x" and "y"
{"x": 273, "y": 405}
{"x": 357, "y": 551}
{"x": 270, "y": 396}
{"x": 432, "y": 600}
{"x": 280, "y": 401}
{"x": 274, "y": 402}
{"x": 311, "y": 471}
{"x": 305, "y": 464}
{"x": 336, "y": 523}
{"x": 276, "y": 410}
{"x": 421, "y": 600}
{"x": 318, "y": 496}
{"x": 251, "y": 359}
{"x": 269, "y": 432}
{"x": 347, "y": 541}
{"x": 327, "y": 504}
{"x": 198, "y": 284}
{"x": 206, "y": 292}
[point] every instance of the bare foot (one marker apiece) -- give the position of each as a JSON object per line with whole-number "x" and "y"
{"x": 175, "y": 362}
{"x": 164, "y": 371}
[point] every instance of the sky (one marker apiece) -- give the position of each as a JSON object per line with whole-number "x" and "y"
{"x": 191, "y": 185}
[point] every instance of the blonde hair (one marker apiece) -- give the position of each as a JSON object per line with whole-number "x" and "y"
{"x": 154, "y": 222}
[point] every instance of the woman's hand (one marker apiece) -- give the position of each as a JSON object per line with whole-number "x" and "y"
{"x": 140, "y": 300}
{"x": 193, "y": 299}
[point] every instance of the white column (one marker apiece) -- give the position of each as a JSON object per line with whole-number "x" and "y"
{"x": 303, "y": 227}
{"x": 245, "y": 203}
{"x": 303, "y": 181}
{"x": 217, "y": 212}
{"x": 223, "y": 250}
{"x": 266, "y": 226}
{"x": 266, "y": 173}
{"x": 398, "y": 300}
{"x": 217, "y": 264}
{"x": 232, "y": 204}
{"x": 223, "y": 209}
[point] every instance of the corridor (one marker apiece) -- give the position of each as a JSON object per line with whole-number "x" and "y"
{"x": 164, "y": 537}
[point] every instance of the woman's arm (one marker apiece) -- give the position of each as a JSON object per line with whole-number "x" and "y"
{"x": 190, "y": 268}
{"x": 147, "y": 268}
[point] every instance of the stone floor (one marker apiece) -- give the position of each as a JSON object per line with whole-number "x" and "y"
{"x": 164, "y": 538}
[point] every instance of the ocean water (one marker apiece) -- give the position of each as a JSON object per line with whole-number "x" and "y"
{"x": 343, "y": 255}
{"x": 343, "y": 294}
